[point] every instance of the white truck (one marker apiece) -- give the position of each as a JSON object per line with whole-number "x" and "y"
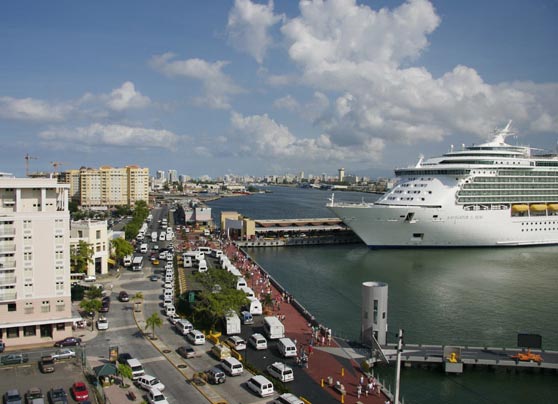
{"x": 137, "y": 263}
{"x": 232, "y": 323}
{"x": 274, "y": 328}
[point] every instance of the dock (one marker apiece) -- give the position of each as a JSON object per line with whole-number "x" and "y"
{"x": 469, "y": 357}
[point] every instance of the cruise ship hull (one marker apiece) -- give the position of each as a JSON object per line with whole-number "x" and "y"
{"x": 389, "y": 226}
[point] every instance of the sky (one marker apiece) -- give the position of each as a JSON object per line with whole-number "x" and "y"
{"x": 258, "y": 88}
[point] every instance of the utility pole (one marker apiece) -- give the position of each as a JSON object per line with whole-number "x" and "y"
{"x": 398, "y": 365}
{"x": 27, "y": 157}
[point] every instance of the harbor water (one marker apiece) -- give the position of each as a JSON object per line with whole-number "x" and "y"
{"x": 475, "y": 297}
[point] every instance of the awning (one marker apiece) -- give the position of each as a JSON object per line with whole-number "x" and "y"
{"x": 105, "y": 370}
{"x": 111, "y": 261}
{"x": 41, "y": 322}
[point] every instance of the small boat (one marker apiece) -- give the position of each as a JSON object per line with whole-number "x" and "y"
{"x": 520, "y": 208}
{"x": 538, "y": 207}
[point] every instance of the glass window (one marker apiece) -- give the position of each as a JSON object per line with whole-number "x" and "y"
{"x": 29, "y": 331}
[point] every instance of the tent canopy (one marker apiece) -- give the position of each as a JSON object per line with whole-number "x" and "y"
{"x": 106, "y": 370}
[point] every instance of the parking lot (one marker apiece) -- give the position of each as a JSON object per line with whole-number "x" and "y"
{"x": 25, "y": 376}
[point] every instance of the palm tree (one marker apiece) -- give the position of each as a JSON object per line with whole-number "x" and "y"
{"x": 91, "y": 306}
{"x": 138, "y": 296}
{"x": 124, "y": 371}
{"x": 153, "y": 321}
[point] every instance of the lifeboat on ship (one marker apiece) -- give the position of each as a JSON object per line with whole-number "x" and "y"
{"x": 538, "y": 207}
{"x": 553, "y": 207}
{"x": 520, "y": 208}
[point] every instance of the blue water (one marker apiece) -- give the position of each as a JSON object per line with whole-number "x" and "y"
{"x": 478, "y": 297}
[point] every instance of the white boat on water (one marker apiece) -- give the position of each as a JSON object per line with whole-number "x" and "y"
{"x": 486, "y": 195}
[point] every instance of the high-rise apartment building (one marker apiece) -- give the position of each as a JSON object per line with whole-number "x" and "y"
{"x": 35, "y": 299}
{"x": 107, "y": 186}
{"x": 173, "y": 176}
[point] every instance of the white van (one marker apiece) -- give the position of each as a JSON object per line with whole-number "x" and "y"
{"x": 273, "y": 327}
{"x": 249, "y": 292}
{"x": 205, "y": 250}
{"x": 187, "y": 261}
{"x": 143, "y": 248}
{"x": 221, "y": 351}
{"x": 170, "y": 310}
{"x": 183, "y": 326}
{"x": 286, "y": 347}
{"x": 254, "y": 306}
{"x": 232, "y": 366}
{"x": 162, "y": 236}
{"x": 281, "y": 372}
{"x": 137, "y": 368}
{"x": 241, "y": 283}
{"x": 216, "y": 253}
{"x": 196, "y": 337}
{"x": 202, "y": 266}
{"x": 127, "y": 260}
{"x": 258, "y": 341}
{"x": 260, "y": 385}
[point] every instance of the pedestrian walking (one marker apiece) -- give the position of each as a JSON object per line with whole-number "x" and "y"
{"x": 361, "y": 381}
{"x": 359, "y": 390}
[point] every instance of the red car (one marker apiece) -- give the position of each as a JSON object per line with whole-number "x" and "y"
{"x": 79, "y": 391}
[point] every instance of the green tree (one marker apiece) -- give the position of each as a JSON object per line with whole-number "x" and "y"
{"x": 122, "y": 248}
{"x": 153, "y": 321}
{"x": 94, "y": 293}
{"x": 125, "y": 371}
{"x": 91, "y": 306}
{"x": 81, "y": 256}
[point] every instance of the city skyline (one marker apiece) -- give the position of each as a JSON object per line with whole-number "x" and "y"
{"x": 268, "y": 88}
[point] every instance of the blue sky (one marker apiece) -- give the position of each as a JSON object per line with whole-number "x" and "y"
{"x": 258, "y": 88}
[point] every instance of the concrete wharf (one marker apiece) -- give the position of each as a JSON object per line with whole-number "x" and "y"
{"x": 469, "y": 357}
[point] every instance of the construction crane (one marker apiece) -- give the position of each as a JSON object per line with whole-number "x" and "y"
{"x": 27, "y": 158}
{"x": 55, "y": 165}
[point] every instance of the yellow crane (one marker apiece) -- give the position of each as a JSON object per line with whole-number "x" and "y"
{"x": 27, "y": 158}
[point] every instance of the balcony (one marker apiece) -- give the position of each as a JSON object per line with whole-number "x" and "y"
{"x": 7, "y": 280}
{"x": 7, "y": 247}
{"x": 7, "y": 264}
{"x": 6, "y": 296}
{"x": 6, "y": 231}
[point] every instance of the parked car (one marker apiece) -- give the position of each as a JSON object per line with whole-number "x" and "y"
{"x": 154, "y": 278}
{"x": 68, "y": 341}
{"x": 148, "y": 382}
{"x": 64, "y": 353}
{"x": 12, "y": 396}
{"x": 80, "y": 392}
{"x": 34, "y": 396}
{"x": 57, "y": 396}
{"x": 156, "y": 397}
{"x": 216, "y": 376}
{"x": 288, "y": 398}
{"x": 236, "y": 343}
{"x": 13, "y": 359}
{"x": 186, "y": 351}
{"x": 173, "y": 318}
{"x": 102, "y": 323}
{"x": 46, "y": 364}
{"x": 123, "y": 296}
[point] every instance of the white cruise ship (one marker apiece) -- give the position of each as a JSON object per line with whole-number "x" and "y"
{"x": 488, "y": 195}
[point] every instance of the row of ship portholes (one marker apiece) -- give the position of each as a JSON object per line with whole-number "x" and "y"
{"x": 545, "y": 229}
{"x": 536, "y": 223}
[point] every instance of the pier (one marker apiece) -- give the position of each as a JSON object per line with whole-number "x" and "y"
{"x": 469, "y": 357}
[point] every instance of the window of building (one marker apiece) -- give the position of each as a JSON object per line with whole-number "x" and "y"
{"x": 60, "y": 326}
{"x": 12, "y": 332}
{"x": 80, "y": 233}
{"x": 98, "y": 234}
{"x": 28, "y": 256}
{"x": 12, "y": 307}
{"x": 29, "y": 331}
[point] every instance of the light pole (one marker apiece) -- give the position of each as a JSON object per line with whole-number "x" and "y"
{"x": 398, "y": 365}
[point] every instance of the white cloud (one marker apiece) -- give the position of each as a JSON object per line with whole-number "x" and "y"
{"x": 248, "y": 27}
{"x": 287, "y": 102}
{"x": 30, "y": 109}
{"x": 126, "y": 97}
{"x": 217, "y": 85}
{"x": 362, "y": 59}
{"x": 265, "y": 137}
{"x": 112, "y": 135}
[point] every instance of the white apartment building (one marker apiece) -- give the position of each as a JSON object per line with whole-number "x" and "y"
{"x": 35, "y": 298}
{"x": 94, "y": 233}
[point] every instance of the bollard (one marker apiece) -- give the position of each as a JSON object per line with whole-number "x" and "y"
{"x": 322, "y": 382}
{"x": 342, "y": 398}
{"x": 342, "y": 372}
